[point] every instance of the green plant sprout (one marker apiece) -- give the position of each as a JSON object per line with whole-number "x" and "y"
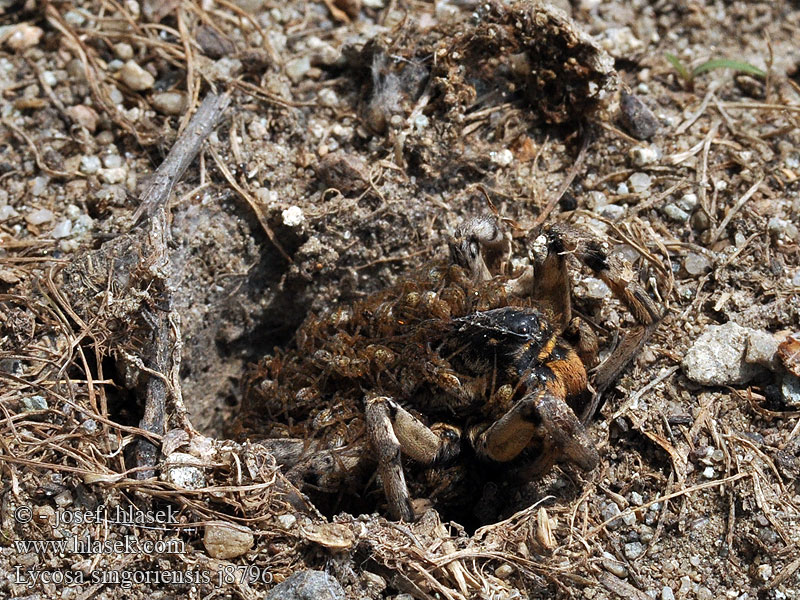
{"x": 715, "y": 63}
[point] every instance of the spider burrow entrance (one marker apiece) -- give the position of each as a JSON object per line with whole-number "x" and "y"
{"x": 431, "y": 388}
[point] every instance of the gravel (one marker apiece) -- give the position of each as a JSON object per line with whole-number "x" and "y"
{"x": 224, "y": 541}
{"x": 307, "y": 585}
{"x": 717, "y": 356}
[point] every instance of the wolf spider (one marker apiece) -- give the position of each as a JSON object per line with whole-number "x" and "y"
{"x": 463, "y": 357}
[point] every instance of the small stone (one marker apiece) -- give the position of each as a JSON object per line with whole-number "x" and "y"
{"x": 633, "y": 550}
{"x": 623, "y": 189}
{"x": 667, "y": 593}
{"x": 503, "y": 158}
{"x": 613, "y": 566}
{"x": 676, "y": 214}
{"x": 89, "y": 426}
{"x": 717, "y": 357}
{"x": 609, "y": 511}
{"x": 225, "y": 540}
{"x": 327, "y": 97}
{"x": 39, "y": 187}
{"x": 596, "y": 288}
{"x": 287, "y": 521}
{"x": 6, "y": 212}
{"x": 709, "y": 473}
{"x": 504, "y": 571}
{"x": 790, "y": 390}
{"x": 297, "y": 68}
{"x": 640, "y": 182}
{"x": 293, "y": 216}
{"x": 112, "y": 161}
{"x": 74, "y": 18}
{"x": 115, "y": 95}
{"x": 34, "y": 403}
{"x": 214, "y": 44}
{"x": 123, "y": 51}
{"x": 308, "y": 585}
{"x": 178, "y": 469}
{"x": 643, "y": 155}
{"x": 113, "y": 176}
{"x": 225, "y": 68}
{"x": 696, "y": 264}
{"x": 703, "y": 593}
{"x": 612, "y": 212}
{"x": 135, "y": 77}
{"x": 686, "y": 586}
{"x": 82, "y": 225}
{"x": 39, "y": 216}
{"x": 636, "y": 498}
{"x": 22, "y": 36}
{"x": 84, "y": 116}
{"x": 90, "y": 164}
{"x": 687, "y": 202}
{"x": 764, "y": 572}
{"x": 62, "y": 230}
{"x": 700, "y": 221}
{"x": 762, "y": 349}
{"x": 345, "y": 172}
{"x": 636, "y": 118}
{"x": 351, "y": 7}
{"x": 63, "y": 499}
{"x": 169, "y": 103}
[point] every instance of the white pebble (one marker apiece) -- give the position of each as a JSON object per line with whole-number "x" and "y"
{"x": 6, "y": 212}
{"x": 82, "y": 225}
{"x": 688, "y": 202}
{"x": 709, "y": 473}
{"x": 39, "y": 186}
{"x": 623, "y": 189}
{"x": 74, "y": 18}
{"x": 503, "y": 158}
{"x": 633, "y": 550}
{"x": 297, "y": 68}
{"x": 696, "y": 264}
{"x": 293, "y": 216}
{"x": 287, "y": 521}
{"x": 49, "y": 78}
{"x": 179, "y": 470}
{"x": 62, "y": 230}
{"x": 135, "y": 77}
{"x": 115, "y": 95}
{"x": 676, "y": 214}
{"x": 39, "y": 216}
{"x": 644, "y": 155}
{"x": 596, "y": 288}
{"x": 327, "y": 97}
{"x": 112, "y": 161}
{"x": 612, "y": 212}
{"x": 639, "y": 182}
{"x": 116, "y": 175}
{"x": 90, "y": 165}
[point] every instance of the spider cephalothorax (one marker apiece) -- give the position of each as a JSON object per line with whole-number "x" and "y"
{"x": 461, "y": 357}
